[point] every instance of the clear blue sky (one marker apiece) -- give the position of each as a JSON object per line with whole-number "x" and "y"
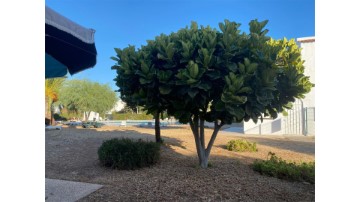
{"x": 119, "y": 23}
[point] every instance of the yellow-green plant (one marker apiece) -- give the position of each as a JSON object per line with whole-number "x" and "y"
{"x": 277, "y": 167}
{"x": 241, "y": 146}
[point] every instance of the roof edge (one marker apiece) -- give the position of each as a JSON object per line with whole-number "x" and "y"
{"x": 306, "y": 39}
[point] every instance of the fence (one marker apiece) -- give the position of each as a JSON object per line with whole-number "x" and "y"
{"x": 299, "y": 121}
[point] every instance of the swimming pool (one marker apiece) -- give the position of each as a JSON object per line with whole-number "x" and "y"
{"x": 138, "y": 123}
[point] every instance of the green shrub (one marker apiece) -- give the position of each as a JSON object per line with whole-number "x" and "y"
{"x": 58, "y": 117}
{"x": 241, "y": 146}
{"x": 128, "y": 154}
{"x": 276, "y": 167}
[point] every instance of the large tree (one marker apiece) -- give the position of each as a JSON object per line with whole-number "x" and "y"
{"x": 85, "y": 96}
{"x": 52, "y": 87}
{"x": 202, "y": 74}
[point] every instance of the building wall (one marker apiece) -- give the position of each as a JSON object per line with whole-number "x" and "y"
{"x": 308, "y": 54}
{"x": 92, "y": 116}
{"x": 118, "y": 107}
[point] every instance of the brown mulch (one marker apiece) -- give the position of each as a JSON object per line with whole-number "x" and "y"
{"x": 71, "y": 154}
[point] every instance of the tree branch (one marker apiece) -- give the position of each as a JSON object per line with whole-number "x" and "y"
{"x": 213, "y": 137}
{"x": 202, "y": 135}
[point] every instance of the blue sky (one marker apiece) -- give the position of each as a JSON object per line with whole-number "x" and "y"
{"x": 119, "y": 23}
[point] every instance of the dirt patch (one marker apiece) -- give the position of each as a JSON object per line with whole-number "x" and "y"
{"x": 71, "y": 154}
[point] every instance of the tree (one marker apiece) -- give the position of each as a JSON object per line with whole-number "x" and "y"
{"x": 138, "y": 80}
{"x": 85, "y": 96}
{"x": 52, "y": 87}
{"x": 202, "y": 74}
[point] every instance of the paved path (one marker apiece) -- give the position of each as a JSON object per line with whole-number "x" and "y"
{"x": 61, "y": 190}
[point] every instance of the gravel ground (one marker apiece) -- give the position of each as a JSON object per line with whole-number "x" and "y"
{"x": 71, "y": 154}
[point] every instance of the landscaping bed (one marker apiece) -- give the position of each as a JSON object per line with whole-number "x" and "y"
{"x": 71, "y": 154}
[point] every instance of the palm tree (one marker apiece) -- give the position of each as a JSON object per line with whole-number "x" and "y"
{"x": 52, "y": 87}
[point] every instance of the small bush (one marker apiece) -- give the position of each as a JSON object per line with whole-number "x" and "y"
{"x": 128, "y": 154}
{"x": 276, "y": 167}
{"x": 57, "y": 117}
{"x": 241, "y": 146}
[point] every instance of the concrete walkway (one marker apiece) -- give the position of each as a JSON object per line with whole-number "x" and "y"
{"x": 61, "y": 190}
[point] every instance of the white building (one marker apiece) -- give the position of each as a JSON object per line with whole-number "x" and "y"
{"x": 96, "y": 116}
{"x": 308, "y": 54}
{"x": 118, "y": 107}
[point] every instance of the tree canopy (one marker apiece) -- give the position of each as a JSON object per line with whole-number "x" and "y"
{"x": 86, "y": 96}
{"x": 199, "y": 74}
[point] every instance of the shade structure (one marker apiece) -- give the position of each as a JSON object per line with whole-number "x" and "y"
{"x": 69, "y": 47}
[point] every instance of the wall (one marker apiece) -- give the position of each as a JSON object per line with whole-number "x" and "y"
{"x": 308, "y": 54}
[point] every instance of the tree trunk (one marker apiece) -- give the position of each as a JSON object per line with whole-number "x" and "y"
{"x": 52, "y": 113}
{"x": 87, "y": 114}
{"x": 47, "y": 107}
{"x": 157, "y": 128}
{"x": 198, "y": 132}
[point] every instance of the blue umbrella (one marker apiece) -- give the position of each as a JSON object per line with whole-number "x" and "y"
{"x": 69, "y": 47}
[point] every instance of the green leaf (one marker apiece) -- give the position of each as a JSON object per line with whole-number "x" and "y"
{"x": 247, "y": 62}
{"x": 222, "y": 27}
{"x": 193, "y": 70}
{"x": 114, "y": 58}
{"x": 144, "y": 67}
{"x": 165, "y": 90}
{"x": 248, "y": 109}
{"x": 232, "y": 67}
{"x": 245, "y": 90}
{"x": 203, "y": 86}
{"x": 161, "y": 57}
{"x": 118, "y": 51}
{"x": 220, "y": 106}
{"x": 285, "y": 113}
{"x": 239, "y": 99}
{"x": 251, "y": 68}
{"x": 213, "y": 74}
{"x": 227, "y": 79}
{"x": 192, "y": 93}
{"x": 238, "y": 112}
{"x": 191, "y": 81}
{"x": 241, "y": 68}
{"x": 144, "y": 81}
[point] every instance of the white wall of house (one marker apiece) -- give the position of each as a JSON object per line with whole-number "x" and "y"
{"x": 92, "y": 116}
{"x": 118, "y": 107}
{"x": 268, "y": 126}
{"x": 308, "y": 54}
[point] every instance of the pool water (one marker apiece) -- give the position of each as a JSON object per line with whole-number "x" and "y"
{"x": 137, "y": 123}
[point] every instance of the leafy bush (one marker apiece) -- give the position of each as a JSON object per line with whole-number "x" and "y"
{"x": 128, "y": 154}
{"x": 58, "y": 117}
{"x": 241, "y": 146}
{"x": 276, "y": 167}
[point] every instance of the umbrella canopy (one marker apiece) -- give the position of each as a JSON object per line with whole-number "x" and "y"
{"x": 69, "y": 47}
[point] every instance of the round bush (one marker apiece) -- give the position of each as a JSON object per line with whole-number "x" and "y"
{"x": 241, "y": 146}
{"x": 128, "y": 154}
